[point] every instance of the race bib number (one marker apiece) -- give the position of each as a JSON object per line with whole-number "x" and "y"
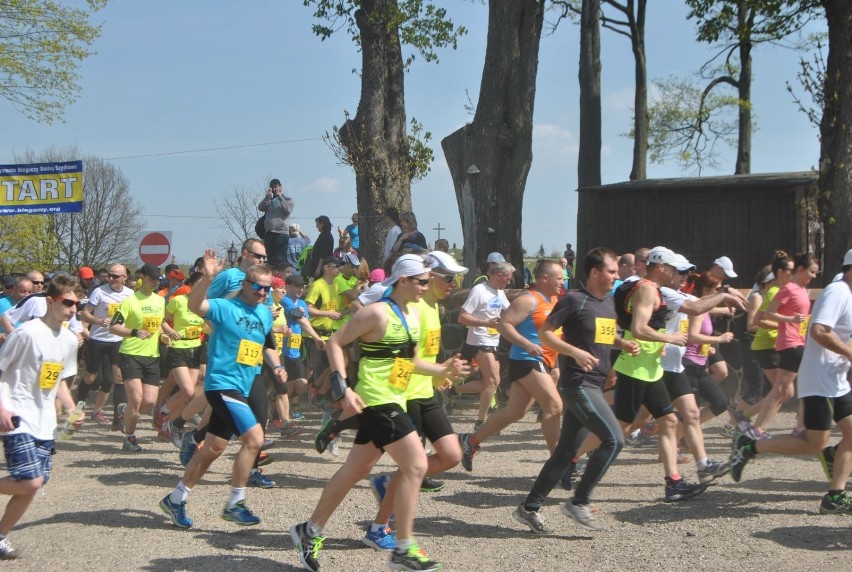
{"x": 249, "y": 353}
{"x": 605, "y": 331}
{"x": 401, "y": 373}
{"x": 279, "y": 341}
{"x": 192, "y": 333}
{"x": 803, "y": 327}
{"x": 433, "y": 343}
{"x": 112, "y": 309}
{"x": 704, "y": 350}
{"x": 151, "y": 324}
{"x": 50, "y": 372}
{"x": 295, "y": 341}
{"x": 332, "y": 306}
{"x": 492, "y": 331}
{"x": 683, "y": 326}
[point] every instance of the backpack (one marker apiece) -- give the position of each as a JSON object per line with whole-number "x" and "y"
{"x": 260, "y": 227}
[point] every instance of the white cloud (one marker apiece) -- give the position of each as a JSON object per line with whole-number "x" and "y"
{"x": 619, "y": 100}
{"x": 322, "y": 186}
{"x": 551, "y": 140}
{"x": 606, "y": 150}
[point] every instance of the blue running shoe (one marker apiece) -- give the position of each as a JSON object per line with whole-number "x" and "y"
{"x": 379, "y": 484}
{"x": 384, "y": 539}
{"x": 240, "y": 514}
{"x": 188, "y": 447}
{"x": 256, "y": 479}
{"x": 295, "y": 415}
{"x": 177, "y": 512}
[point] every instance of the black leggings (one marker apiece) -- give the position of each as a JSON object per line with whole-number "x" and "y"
{"x": 585, "y": 410}
{"x": 704, "y": 385}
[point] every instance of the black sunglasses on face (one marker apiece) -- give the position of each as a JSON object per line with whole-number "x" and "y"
{"x": 421, "y": 281}
{"x": 448, "y": 278}
{"x": 38, "y": 282}
{"x": 115, "y": 276}
{"x": 257, "y": 287}
{"x": 258, "y": 256}
{"x": 66, "y": 302}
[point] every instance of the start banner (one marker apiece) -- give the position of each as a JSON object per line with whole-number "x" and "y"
{"x": 41, "y": 188}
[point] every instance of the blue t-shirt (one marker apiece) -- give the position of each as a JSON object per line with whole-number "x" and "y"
{"x": 239, "y": 334}
{"x": 352, "y": 231}
{"x": 6, "y": 302}
{"x": 226, "y": 282}
{"x": 293, "y": 323}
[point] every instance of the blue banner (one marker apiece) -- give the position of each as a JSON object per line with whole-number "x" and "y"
{"x": 41, "y": 188}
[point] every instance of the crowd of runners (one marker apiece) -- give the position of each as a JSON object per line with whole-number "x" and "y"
{"x": 634, "y": 351}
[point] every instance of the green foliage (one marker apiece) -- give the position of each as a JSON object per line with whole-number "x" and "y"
{"x": 766, "y": 20}
{"x": 42, "y": 43}
{"x": 811, "y": 76}
{"x": 27, "y": 242}
{"x": 421, "y": 25}
{"x": 684, "y": 130}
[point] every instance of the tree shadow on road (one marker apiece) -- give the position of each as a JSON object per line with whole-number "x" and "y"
{"x": 219, "y": 562}
{"x": 446, "y": 526}
{"x": 122, "y": 518}
{"x": 809, "y": 537}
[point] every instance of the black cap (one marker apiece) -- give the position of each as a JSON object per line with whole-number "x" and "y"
{"x": 150, "y": 271}
{"x": 332, "y": 260}
{"x": 9, "y": 281}
{"x": 295, "y": 280}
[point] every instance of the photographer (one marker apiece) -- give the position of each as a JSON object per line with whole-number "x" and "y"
{"x": 276, "y": 208}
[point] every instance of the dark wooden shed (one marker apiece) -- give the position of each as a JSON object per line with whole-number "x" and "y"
{"x": 744, "y": 217}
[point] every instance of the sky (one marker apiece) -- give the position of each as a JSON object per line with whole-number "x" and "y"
{"x": 170, "y": 77}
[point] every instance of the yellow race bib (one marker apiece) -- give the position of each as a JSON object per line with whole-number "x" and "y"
{"x": 492, "y": 331}
{"x": 279, "y": 341}
{"x": 151, "y": 324}
{"x": 803, "y": 327}
{"x": 112, "y": 309}
{"x": 401, "y": 373}
{"x": 433, "y": 343}
{"x": 295, "y": 341}
{"x": 192, "y": 333}
{"x": 704, "y": 350}
{"x": 605, "y": 331}
{"x": 683, "y": 326}
{"x": 50, "y": 372}
{"x": 249, "y": 353}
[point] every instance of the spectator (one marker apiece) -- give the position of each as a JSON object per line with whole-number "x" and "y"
{"x": 297, "y": 243}
{"x": 352, "y": 232}
{"x": 323, "y": 247}
{"x": 277, "y": 209}
{"x": 394, "y": 230}
{"x": 410, "y": 239}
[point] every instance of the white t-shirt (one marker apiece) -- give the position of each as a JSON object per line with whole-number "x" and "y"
{"x": 672, "y": 358}
{"x": 484, "y": 303}
{"x": 35, "y": 306}
{"x": 373, "y": 294}
{"x": 33, "y": 362}
{"x": 103, "y": 303}
{"x": 390, "y": 240}
{"x": 822, "y": 372}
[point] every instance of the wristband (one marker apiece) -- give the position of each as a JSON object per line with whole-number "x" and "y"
{"x": 338, "y": 386}
{"x": 133, "y": 333}
{"x": 278, "y": 367}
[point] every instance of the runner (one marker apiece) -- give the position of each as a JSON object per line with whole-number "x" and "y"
{"x": 824, "y": 389}
{"x": 37, "y": 360}
{"x": 240, "y": 341}
{"x": 387, "y": 332}
{"x": 587, "y": 320}
{"x": 530, "y": 364}
{"x": 138, "y": 320}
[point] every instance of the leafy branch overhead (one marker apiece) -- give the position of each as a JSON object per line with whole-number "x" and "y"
{"x": 42, "y": 44}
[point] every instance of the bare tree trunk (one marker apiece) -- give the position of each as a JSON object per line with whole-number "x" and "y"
{"x": 375, "y": 138}
{"x": 490, "y": 158}
{"x": 746, "y": 22}
{"x": 835, "y": 173}
{"x": 639, "y": 172}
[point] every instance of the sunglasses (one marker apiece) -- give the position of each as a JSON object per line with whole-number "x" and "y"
{"x": 257, "y": 256}
{"x": 258, "y": 288}
{"x": 448, "y": 278}
{"x": 115, "y": 276}
{"x": 421, "y": 281}
{"x": 66, "y": 302}
{"x": 38, "y": 282}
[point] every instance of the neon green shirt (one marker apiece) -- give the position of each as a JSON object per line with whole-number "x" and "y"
{"x": 142, "y": 312}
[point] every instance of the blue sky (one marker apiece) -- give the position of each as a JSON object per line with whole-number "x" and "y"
{"x": 176, "y": 76}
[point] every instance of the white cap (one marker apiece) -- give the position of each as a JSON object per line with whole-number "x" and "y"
{"x": 681, "y": 264}
{"x": 769, "y": 278}
{"x": 406, "y": 265}
{"x": 351, "y": 259}
{"x": 661, "y": 255}
{"x": 495, "y": 257}
{"x": 725, "y": 264}
{"x": 847, "y": 259}
{"x": 441, "y": 260}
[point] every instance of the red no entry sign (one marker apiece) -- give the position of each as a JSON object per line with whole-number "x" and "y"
{"x": 154, "y": 248}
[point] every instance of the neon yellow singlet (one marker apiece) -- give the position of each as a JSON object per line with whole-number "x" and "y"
{"x": 428, "y": 347}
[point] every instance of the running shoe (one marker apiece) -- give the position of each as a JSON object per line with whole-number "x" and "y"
{"x": 826, "y": 459}
{"x": 177, "y": 512}
{"x": 256, "y": 479}
{"x": 468, "y": 450}
{"x": 531, "y": 518}
{"x": 385, "y": 539}
{"x": 324, "y": 437}
{"x": 640, "y": 440}
{"x": 118, "y": 420}
{"x": 307, "y": 546}
{"x": 841, "y": 504}
{"x": 159, "y": 419}
{"x": 432, "y": 485}
{"x": 682, "y": 458}
{"x": 580, "y": 467}
{"x": 100, "y": 417}
{"x": 264, "y": 459}
{"x": 177, "y": 434}
{"x": 7, "y": 551}
{"x": 728, "y": 430}
{"x": 798, "y": 432}
{"x": 188, "y": 447}
{"x": 267, "y": 443}
{"x": 334, "y": 447}
{"x": 477, "y": 424}
{"x": 165, "y": 434}
{"x": 130, "y": 445}
{"x": 712, "y": 471}
{"x": 240, "y": 514}
{"x": 413, "y": 558}
{"x": 741, "y": 453}
{"x": 379, "y": 486}
{"x": 582, "y": 515}
{"x": 290, "y": 430}
{"x": 296, "y": 415}
{"x": 682, "y": 489}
